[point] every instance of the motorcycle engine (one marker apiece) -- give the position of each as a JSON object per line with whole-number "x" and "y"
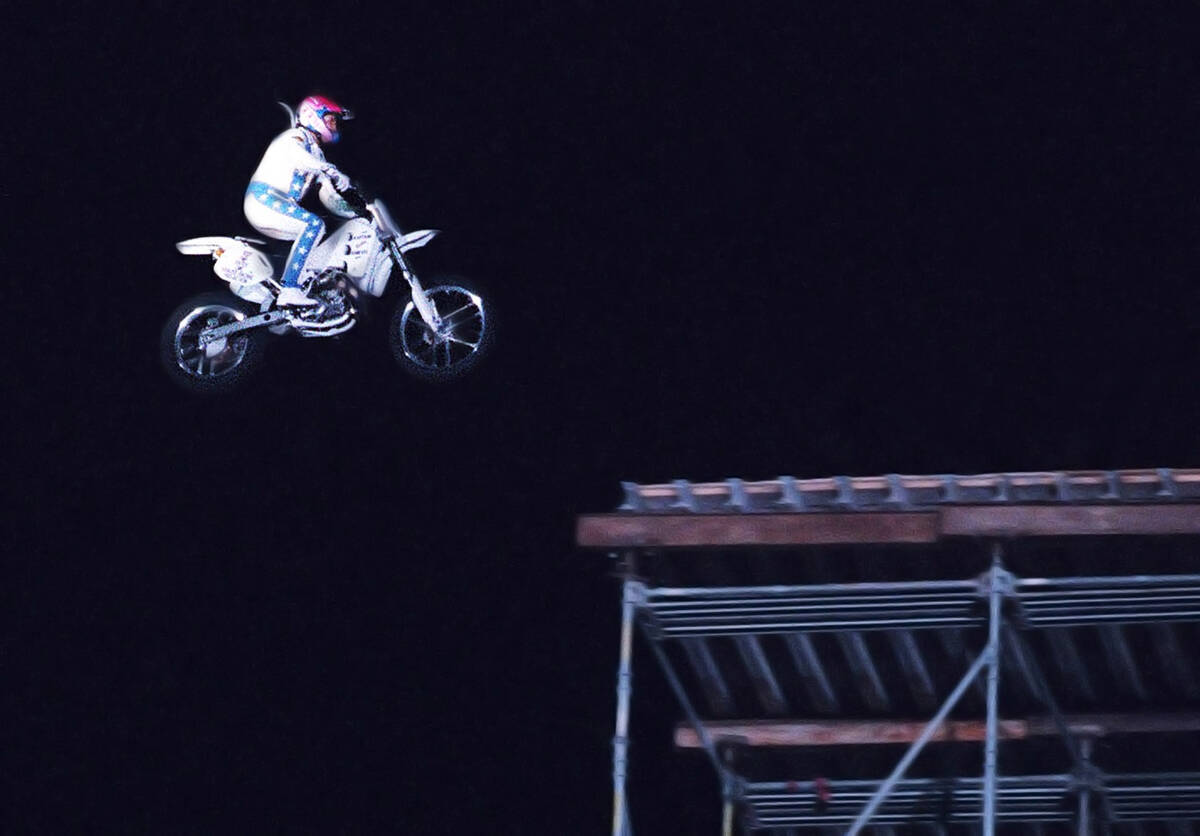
{"x": 330, "y": 291}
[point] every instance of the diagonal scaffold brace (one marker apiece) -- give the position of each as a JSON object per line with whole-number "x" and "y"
{"x": 997, "y": 582}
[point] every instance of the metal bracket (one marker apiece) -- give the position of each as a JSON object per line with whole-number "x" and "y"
{"x": 1003, "y": 488}
{"x": 999, "y": 579}
{"x": 685, "y": 499}
{"x": 737, "y": 495}
{"x": 845, "y": 491}
{"x": 633, "y": 497}
{"x": 790, "y": 496}
{"x": 897, "y": 492}
{"x": 1167, "y": 487}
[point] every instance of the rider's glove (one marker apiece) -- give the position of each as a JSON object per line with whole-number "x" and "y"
{"x": 340, "y": 181}
{"x": 354, "y": 199}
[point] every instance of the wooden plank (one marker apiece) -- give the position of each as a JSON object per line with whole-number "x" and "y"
{"x": 716, "y": 530}
{"x": 624, "y": 530}
{"x": 873, "y": 732}
{"x": 840, "y": 732}
{"x": 1068, "y": 520}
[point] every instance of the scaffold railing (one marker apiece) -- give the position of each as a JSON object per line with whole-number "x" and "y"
{"x": 1043, "y": 602}
{"x": 1027, "y": 798}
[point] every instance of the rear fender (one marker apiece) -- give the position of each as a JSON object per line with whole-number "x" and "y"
{"x": 206, "y": 245}
{"x": 248, "y": 271}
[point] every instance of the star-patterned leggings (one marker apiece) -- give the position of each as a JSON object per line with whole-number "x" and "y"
{"x": 273, "y": 213}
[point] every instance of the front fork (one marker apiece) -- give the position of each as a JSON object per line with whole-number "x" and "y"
{"x": 420, "y": 300}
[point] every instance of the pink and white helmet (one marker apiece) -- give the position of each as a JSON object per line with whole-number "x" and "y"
{"x": 322, "y": 116}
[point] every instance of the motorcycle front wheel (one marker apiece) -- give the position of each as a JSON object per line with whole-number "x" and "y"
{"x": 450, "y": 350}
{"x": 219, "y": 366}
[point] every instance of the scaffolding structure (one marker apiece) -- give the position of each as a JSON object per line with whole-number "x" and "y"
{"x": 903, "y": 615}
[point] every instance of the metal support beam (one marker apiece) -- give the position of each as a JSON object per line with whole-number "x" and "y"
{"x": 916, "y": 673}
{"x": 765, "y": 684}
{"x": 1070, "y": 663}
{"x": 999, "y": 581}
{"x": 866, "y": 675}
{"x": 1120, "y": 659}
{"x": 1047, "y": 698}
{"x": 812, "y": 672}
{"x": 1023, "y": 679}
{"x": 1174, "y": 660}
{"x": 705, "y": 667}
{"x": 620, "y": 826}
{"x": 1085, "y": 797}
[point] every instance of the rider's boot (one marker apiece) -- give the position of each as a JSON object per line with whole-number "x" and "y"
{"x": 294, "y": 297}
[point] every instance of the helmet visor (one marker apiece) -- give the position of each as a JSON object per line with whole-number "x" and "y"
{"x": 331, "y": 121}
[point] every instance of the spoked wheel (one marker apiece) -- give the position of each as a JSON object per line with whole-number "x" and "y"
{"x": 451, "y": 348}
{"x": 216, "y": 366}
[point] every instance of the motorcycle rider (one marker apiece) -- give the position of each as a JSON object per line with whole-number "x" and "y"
{"x": 288, "y": 167}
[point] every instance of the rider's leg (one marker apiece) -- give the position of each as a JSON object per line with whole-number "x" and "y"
{"x": 275, "y": 215}
{"x": 314, "y": 229}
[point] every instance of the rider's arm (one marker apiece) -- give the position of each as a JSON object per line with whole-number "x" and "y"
{"x": 336, "y": 203}
{"x": 303, "y": 160}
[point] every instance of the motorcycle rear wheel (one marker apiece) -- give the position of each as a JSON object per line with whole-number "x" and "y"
{"x": 220, "y": 366}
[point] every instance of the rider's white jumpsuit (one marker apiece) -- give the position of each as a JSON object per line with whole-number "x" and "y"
{"x": 287, "y": 170}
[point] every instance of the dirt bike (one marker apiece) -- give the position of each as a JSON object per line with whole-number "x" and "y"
{"x": 214, "y": 341}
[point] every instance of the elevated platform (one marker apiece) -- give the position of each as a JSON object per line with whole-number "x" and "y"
{"x": 810, "y": 629}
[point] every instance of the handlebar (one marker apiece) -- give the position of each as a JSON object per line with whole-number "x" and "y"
{"x": 355, "y": 201}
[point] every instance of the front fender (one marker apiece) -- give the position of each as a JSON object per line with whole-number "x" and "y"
{"x": 417, "y": 239}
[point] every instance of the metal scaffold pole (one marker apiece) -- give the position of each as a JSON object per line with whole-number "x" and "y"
{"x": 995, "y": 594}
{"x": 1085, "y": 795}
{"x": 620, "y": 825}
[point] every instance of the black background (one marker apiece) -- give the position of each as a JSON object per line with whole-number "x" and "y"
{"x": 836, "y": 239}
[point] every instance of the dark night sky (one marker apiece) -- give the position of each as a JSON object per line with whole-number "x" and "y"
{"x": 827, "y": 240}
